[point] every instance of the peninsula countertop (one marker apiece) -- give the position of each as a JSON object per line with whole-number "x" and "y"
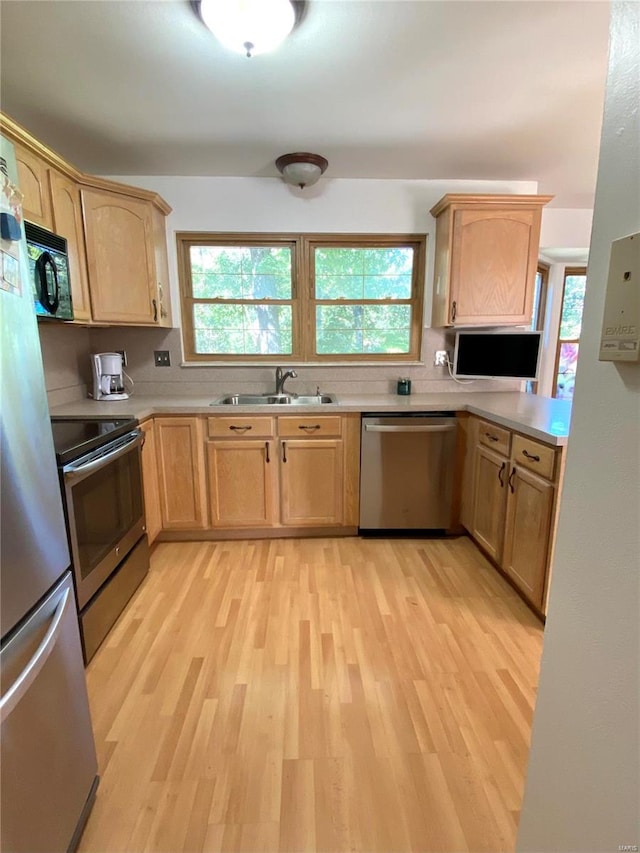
{"x": 544, "y": 418}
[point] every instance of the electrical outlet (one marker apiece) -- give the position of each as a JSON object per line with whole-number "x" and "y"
{"x": 161, "y": 358}
{"x": 441, "y": 357}
{"x": 123, "y": 353}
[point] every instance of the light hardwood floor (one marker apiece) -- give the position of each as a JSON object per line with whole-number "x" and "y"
{"x": 316, "y": 694}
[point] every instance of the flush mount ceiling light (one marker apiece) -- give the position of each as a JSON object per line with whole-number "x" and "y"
{"x": 301, "y": 169}
{"x": 250, "y": 26}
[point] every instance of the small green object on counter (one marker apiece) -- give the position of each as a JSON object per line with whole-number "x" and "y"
{"x": 404, "y": 387}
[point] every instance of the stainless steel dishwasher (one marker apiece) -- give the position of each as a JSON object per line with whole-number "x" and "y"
{"x": 407, "y": 470}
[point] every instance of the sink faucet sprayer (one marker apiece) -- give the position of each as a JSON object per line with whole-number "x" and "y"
{"x": 281, "y": 378}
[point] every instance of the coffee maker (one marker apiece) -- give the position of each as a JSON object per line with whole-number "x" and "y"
{"x": 108, "y": 376}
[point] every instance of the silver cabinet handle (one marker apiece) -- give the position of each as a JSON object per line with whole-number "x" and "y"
{"x": 29, "y": 674}
{"x": 79, "y": 470}
{"x": 435, "y": 428}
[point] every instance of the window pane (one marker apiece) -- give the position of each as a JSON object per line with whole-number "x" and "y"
{"x": 350, "y": 329}
{"x": 566, "y": 371}
{"x": 363, "y": 273}
{"x": 241, "y": 272}
{"x": 572, "y": 304}
{"x": 243, "y": 329}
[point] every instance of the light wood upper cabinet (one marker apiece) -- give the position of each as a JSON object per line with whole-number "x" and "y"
{"x": 153, "y": 512}
{"x": 67, "y": 222}
{"x": 34, "y": 185}
{"x": 486, "y": 259}
{"x": 120, "y": 255}
{"x": 161, "y": 267}
{"x": 181, "y": 470}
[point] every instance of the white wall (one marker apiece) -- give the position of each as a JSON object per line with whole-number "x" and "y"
{"x": 582, "y": 792}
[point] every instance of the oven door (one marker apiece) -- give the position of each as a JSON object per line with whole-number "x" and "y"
{"x": 105, "y": 510}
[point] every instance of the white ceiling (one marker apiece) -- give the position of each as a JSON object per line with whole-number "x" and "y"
{"x": 434, "y": 89}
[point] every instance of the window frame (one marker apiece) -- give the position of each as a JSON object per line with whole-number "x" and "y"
{"x": 303, "y": 294}
{"x": 568, "y": 271}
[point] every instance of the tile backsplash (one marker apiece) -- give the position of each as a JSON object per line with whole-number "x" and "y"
{"x": 66, "y": 350}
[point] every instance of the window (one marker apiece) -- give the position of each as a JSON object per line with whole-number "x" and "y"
{"x": 301, "y": 298}
{"x": 575, "y": 280}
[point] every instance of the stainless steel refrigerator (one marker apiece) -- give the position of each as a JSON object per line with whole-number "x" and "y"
{"x": 48, "y": 766}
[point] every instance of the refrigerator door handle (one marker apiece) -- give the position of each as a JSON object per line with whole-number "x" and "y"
{"x": 29, "y": 674}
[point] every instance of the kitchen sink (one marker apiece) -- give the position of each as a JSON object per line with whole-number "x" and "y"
{"x": 273, "y": 400}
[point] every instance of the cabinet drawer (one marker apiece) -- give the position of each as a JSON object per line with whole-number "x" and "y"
{"x": 534, "y": 456}
{"x": 238, "y": 426}
{"x": 310, "y": 425}
{"x": 495, "y": 437}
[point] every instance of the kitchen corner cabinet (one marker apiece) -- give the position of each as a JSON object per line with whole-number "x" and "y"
{"x": 152, "y": 510}
{"x": 514, "y": 503}
{"x": 486, "y": 259}
{"x": 181, "y": 473}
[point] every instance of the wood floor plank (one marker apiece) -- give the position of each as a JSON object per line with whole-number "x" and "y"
{"x": 318, "y": 694}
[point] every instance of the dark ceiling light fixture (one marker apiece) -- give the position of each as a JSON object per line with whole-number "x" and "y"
{"x": 301, "y": 169}
{"x": 250, "y": 26}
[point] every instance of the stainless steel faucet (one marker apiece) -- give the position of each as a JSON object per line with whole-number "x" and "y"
{"x": 281, "y": 378}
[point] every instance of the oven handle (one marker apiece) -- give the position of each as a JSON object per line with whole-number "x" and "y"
{"x": 74, "y": 472}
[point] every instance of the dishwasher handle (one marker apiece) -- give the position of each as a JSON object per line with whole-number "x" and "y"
{"x": 408, "y": 428}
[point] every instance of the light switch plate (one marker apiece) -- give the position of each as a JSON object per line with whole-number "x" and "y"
{"x": 620, "y": 340}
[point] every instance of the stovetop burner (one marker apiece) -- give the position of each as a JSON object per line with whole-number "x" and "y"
{"x": 73, "y": 438}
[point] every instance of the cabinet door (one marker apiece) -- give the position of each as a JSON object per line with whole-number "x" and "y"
{"x": 67, "y": 222}
{"x": 490, "y": 500}
{"x": 120, "y": 258}
{"x": 163, "y": 294}
{"x": 528, "y": 531}
{"x": 493, "y": 263}
{"x": 311, "y": 482}
{"x": 34, "y": 185}
{"x": 180, "y": 452}
{"x": 153, "y": 513}
{"x": 241, "y": 482}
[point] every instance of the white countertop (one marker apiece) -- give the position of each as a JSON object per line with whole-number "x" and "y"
{"x": 539, "y": 417}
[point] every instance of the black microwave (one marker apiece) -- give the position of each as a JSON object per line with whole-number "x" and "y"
{"x": 49, "y": 269}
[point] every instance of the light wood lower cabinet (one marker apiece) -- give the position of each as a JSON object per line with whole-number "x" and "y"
{"x": 490, "y": 501}
{"x": 153, "y": 512}
{"x": 516, "y": 484}
{"x": 253, "y": 475}
{"x": 181, "y": 470}
{"x": 311, "y": 482}
{"x": 528, "y": 531}
{"x": 241, "y": 482}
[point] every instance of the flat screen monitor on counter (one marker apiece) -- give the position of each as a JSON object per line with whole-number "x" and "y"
{"x": 496, "y": 354}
